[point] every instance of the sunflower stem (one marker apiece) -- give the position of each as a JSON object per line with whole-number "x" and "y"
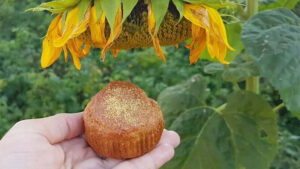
{"x": 252, "y": 8}
{"x": 277, "y": 108}
{"x": 252, "y": 83}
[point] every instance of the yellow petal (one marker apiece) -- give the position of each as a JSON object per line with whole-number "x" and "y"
{"x": 199, "y": 47}
{"x": 115, "y": 52}
{"x": 74, "y": 53}
{"x": 66, "y": 53}
{"x": 151, "y": 30}
{"x": 50, "y": 53}
{"x": 97, "y": 28}
{"x": 210, "y": 20}
{"x": 198, "y": 15}
{"x": 73, "y": 27}
{"x": 196, "y": 36}
{"x": 77, "y": 47}
{"x": 117, "y": 29}
{"x": 86, "y": 49}
{"x": 217, "y": 22}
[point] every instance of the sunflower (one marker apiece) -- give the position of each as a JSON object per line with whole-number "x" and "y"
{"x": 114, "y": 25}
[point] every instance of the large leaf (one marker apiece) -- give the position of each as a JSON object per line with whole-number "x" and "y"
{"x": 272, "y": 39}
{"x": 160, "y": 8}
{"x": 290, "y": 4}
{"x": 253, "y": 127}
{"x": 176, "y": 99}
{"x": 204, "y": 136}
{"x": 243, "y": 136}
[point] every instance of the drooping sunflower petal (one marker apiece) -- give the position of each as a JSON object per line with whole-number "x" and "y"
{"x": 74, "y": 53}
{"x": 210, "y": 23}
{"x": 151, "y": 29}
{"x": 199, "y": 47}
{"x": 115, "y": 52}
{"x": 77, "y": 45}
{"x": 218, "y": 24}
{"x": 86, "y": 49}
{"x": 97, "y": 28}
{"x": 72, "y": 27}
{"x": 117, "y": 29}
{"x": 198, "y": 15}
{"x": 50, "y": 53}
{"x": 66, "y": 53}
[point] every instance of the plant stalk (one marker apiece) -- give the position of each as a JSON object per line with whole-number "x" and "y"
{"x": 252, "y": 83}
{"x": 277, "y": 108}
{"x": 252, "y": 8}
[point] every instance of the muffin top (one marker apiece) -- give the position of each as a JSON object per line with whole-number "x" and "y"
{"x": 123, "y": 107}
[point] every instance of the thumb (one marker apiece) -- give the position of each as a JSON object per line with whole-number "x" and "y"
{"x": 55, "y": 128}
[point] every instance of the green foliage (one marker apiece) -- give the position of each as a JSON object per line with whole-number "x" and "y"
{"x": 272, "y": 39}
{"x": 244, "y": 131}
{"x": 176, "y": 99}
{"x": 272, "y": 4}
{"x": 253, "y": 127}
{"x": 289, "y": 156}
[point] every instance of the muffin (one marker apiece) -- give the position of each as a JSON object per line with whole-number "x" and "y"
{"x": 121, "y": 122}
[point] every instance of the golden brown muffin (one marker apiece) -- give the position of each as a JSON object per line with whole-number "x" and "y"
{"x": 122, "y": 122}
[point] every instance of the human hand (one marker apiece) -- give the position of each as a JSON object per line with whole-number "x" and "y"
{"x": 57, "y": 143}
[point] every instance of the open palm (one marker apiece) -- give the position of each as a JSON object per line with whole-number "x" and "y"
{"x": 57, "y": 143}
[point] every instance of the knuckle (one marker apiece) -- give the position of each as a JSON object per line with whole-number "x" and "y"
{"x": 169, "y": 150}
{"x": 22, "y": 124}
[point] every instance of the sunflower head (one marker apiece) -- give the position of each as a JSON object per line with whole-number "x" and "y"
{"x": 114, "y": 25}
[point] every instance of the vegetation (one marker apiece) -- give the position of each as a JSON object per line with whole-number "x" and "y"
{"x": 192, "y": 97}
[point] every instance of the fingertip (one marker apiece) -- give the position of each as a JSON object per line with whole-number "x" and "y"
{"x": 171, "y": 138}
{"x": 167, "y": 151}
{"x": 176, "y": 138}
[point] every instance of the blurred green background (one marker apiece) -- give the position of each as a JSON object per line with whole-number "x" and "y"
{"x": 27, "y": 91}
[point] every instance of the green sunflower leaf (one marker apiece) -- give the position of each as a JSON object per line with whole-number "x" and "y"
{"x": 289, "y": 4}
{"x": 193, "y": 125}
{"x": 160, "y": 8}
{"x": 253, "y": 127}
{"x": 244, "y": 132}
{"x": 212, "y": 3}
{"x": 98, "y": 7}
{"x": 179, "y": 6}
{"x": 128, "y": 6}
{"x": 175, "y": 100}
{"x": 110, "y": 9}
{"x": 60, "y": 4}
{"x": 82, "y": 8}
{"x": 272, "y": 39}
